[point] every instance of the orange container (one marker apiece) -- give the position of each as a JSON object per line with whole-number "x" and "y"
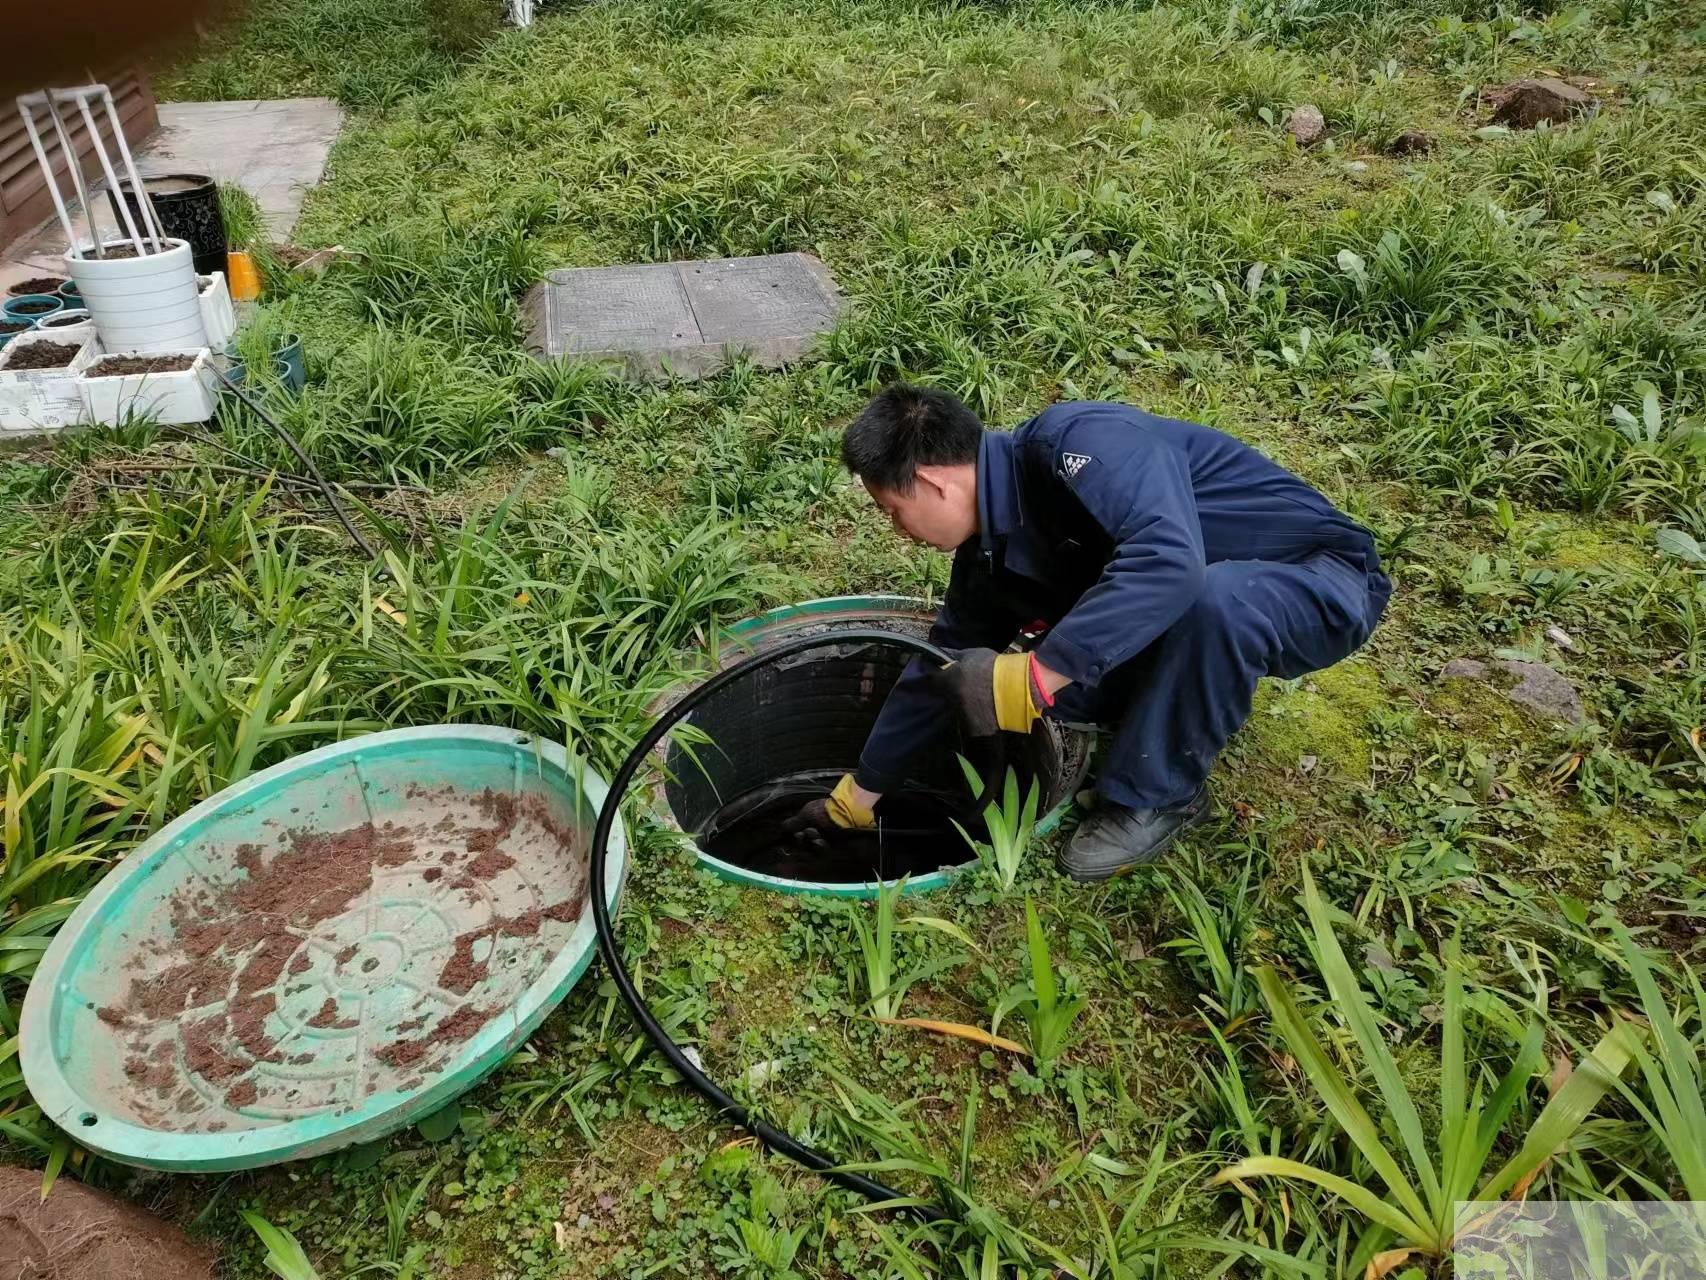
{"x": 242, "y": 276}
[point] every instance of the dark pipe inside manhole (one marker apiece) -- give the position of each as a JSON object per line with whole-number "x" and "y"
{"x": 783, "y": 736}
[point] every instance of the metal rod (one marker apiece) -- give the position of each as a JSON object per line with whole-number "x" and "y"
{"x": 47, "y": 172}
{"x": 112, "y": 180}
{"x": 75, "y": 167}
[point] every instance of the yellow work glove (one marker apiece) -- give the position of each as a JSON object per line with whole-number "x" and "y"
{"x": 1015, "y": 708}
{"x": 845, "y": 811}
{"x": 993, "y": 691}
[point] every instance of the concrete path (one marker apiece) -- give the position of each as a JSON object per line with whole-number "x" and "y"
{"x": 275, "y": 149}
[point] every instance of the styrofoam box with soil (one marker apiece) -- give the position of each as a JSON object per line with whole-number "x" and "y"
{"x": 39, "y": 391}
{"x": 166, "y": 386}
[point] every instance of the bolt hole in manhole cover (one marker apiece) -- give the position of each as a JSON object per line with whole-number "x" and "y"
{"x": 785, "y": 734}
{"x": 321, "y": 953}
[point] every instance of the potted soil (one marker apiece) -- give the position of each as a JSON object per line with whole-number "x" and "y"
{"x": 10, "y": 329}
{"x": 33, "y": 306}
{"x": 73, "y": 323}
{"x": 70, "y": 318}
{"x": 40, "y": 374}
{"x": 69, "y": 292}
{"x": 169, "y": 387}
{"x": 37, "y": 284}
{"x": 140, "y": 302}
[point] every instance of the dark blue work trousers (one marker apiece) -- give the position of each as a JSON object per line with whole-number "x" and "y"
{"x": 1173, "y": 707}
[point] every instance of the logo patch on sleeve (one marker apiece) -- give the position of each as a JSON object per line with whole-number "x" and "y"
{"x": 1072, "y": 463}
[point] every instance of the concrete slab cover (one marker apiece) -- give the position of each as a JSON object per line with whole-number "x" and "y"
{"x": 275, "y": 149}
{"x": 684, "y": 318}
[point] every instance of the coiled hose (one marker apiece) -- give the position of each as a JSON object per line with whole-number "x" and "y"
{"x": 773, "y": 1138}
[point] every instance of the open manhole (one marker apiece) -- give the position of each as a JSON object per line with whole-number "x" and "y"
{"x": 766, "y": 744}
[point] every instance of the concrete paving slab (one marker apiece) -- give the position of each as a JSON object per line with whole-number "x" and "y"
{"x": 684, "y": 319}
{"x": 276, "y": 149}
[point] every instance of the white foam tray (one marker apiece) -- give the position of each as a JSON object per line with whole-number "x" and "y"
{"x": 38, "y": 400}
{"x": 187, "y": 395}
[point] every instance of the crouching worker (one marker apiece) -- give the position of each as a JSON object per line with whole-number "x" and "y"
{"x": 1161, "y": 568}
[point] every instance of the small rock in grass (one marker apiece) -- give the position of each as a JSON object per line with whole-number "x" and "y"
{"x": 1561, "y": 638}
{"x": 1542, "y": 689}
{"x": 1537, "y": 686}
{"x": 1522, "y": 104}
{"x": 1411, "y": 142}
{"x": 1378, "y": 957}
{"x": 760, "y": 1074}
{"x": 1307, "y": 124}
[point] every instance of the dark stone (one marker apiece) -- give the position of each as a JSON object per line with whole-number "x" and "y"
{"x": 1523, "y": 104}
{"x": 1410, "y": 143}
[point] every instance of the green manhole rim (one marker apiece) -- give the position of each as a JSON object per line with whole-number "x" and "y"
{"x": 377, "y": 1115}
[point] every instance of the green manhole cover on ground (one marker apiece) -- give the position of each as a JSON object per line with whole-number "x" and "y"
{"x": 321, "y": 953}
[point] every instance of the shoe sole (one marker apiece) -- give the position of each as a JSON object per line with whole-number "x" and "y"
{"x": 1125, "y": 869}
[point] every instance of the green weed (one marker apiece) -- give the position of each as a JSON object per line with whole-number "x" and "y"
{"x": 1048, "y": 1005}
{"x": 885, "y": 982}
{"x": 1010, "y": 825}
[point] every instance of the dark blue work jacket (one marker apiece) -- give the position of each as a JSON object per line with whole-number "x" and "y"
{"x": 1096, "y": 522}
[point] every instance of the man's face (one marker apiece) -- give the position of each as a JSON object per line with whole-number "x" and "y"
{"x": 940, "y": 511}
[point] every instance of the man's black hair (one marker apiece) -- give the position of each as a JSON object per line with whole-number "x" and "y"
{"x": 904, "y": 428}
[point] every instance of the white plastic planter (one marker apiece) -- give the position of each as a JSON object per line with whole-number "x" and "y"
{"x": 37, "y": 400}
{"x": 77, "y": 327}
{"x": 186, "y": 395}
{"x": 218, "y": 316}
{"x": 147, "y": 304}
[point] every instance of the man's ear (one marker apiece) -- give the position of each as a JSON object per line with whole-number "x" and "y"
{"x": 933, "y": 478}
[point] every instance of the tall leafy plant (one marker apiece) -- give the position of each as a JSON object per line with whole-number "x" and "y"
{"x": 1671, "y": 1069}
{"x": 1423, "y": 1180}
{"x": 1048, "y": 1005}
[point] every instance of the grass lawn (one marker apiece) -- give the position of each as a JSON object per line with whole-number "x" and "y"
{"x": 1491, "y": 349}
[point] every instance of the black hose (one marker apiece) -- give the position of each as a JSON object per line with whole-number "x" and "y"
{"x": 773, "y": 1138}
{"x": 302, "y": 457}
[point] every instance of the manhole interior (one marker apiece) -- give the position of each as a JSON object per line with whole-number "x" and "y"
{"x": 786, "y": 733}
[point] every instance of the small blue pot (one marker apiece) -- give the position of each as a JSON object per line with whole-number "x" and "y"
{"x": 29, "y": 308}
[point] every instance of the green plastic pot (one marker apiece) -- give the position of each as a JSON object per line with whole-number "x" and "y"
{"x": 289, "y": 355}
{"x": 43, "y": 304}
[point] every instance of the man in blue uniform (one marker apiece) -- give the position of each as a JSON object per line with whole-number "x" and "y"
{"x": 1162, "y": 569}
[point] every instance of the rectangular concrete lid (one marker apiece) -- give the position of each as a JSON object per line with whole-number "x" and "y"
{"x": 684, "y": 318}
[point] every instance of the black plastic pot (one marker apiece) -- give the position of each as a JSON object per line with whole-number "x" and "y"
{"x": 188, "y": 205}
